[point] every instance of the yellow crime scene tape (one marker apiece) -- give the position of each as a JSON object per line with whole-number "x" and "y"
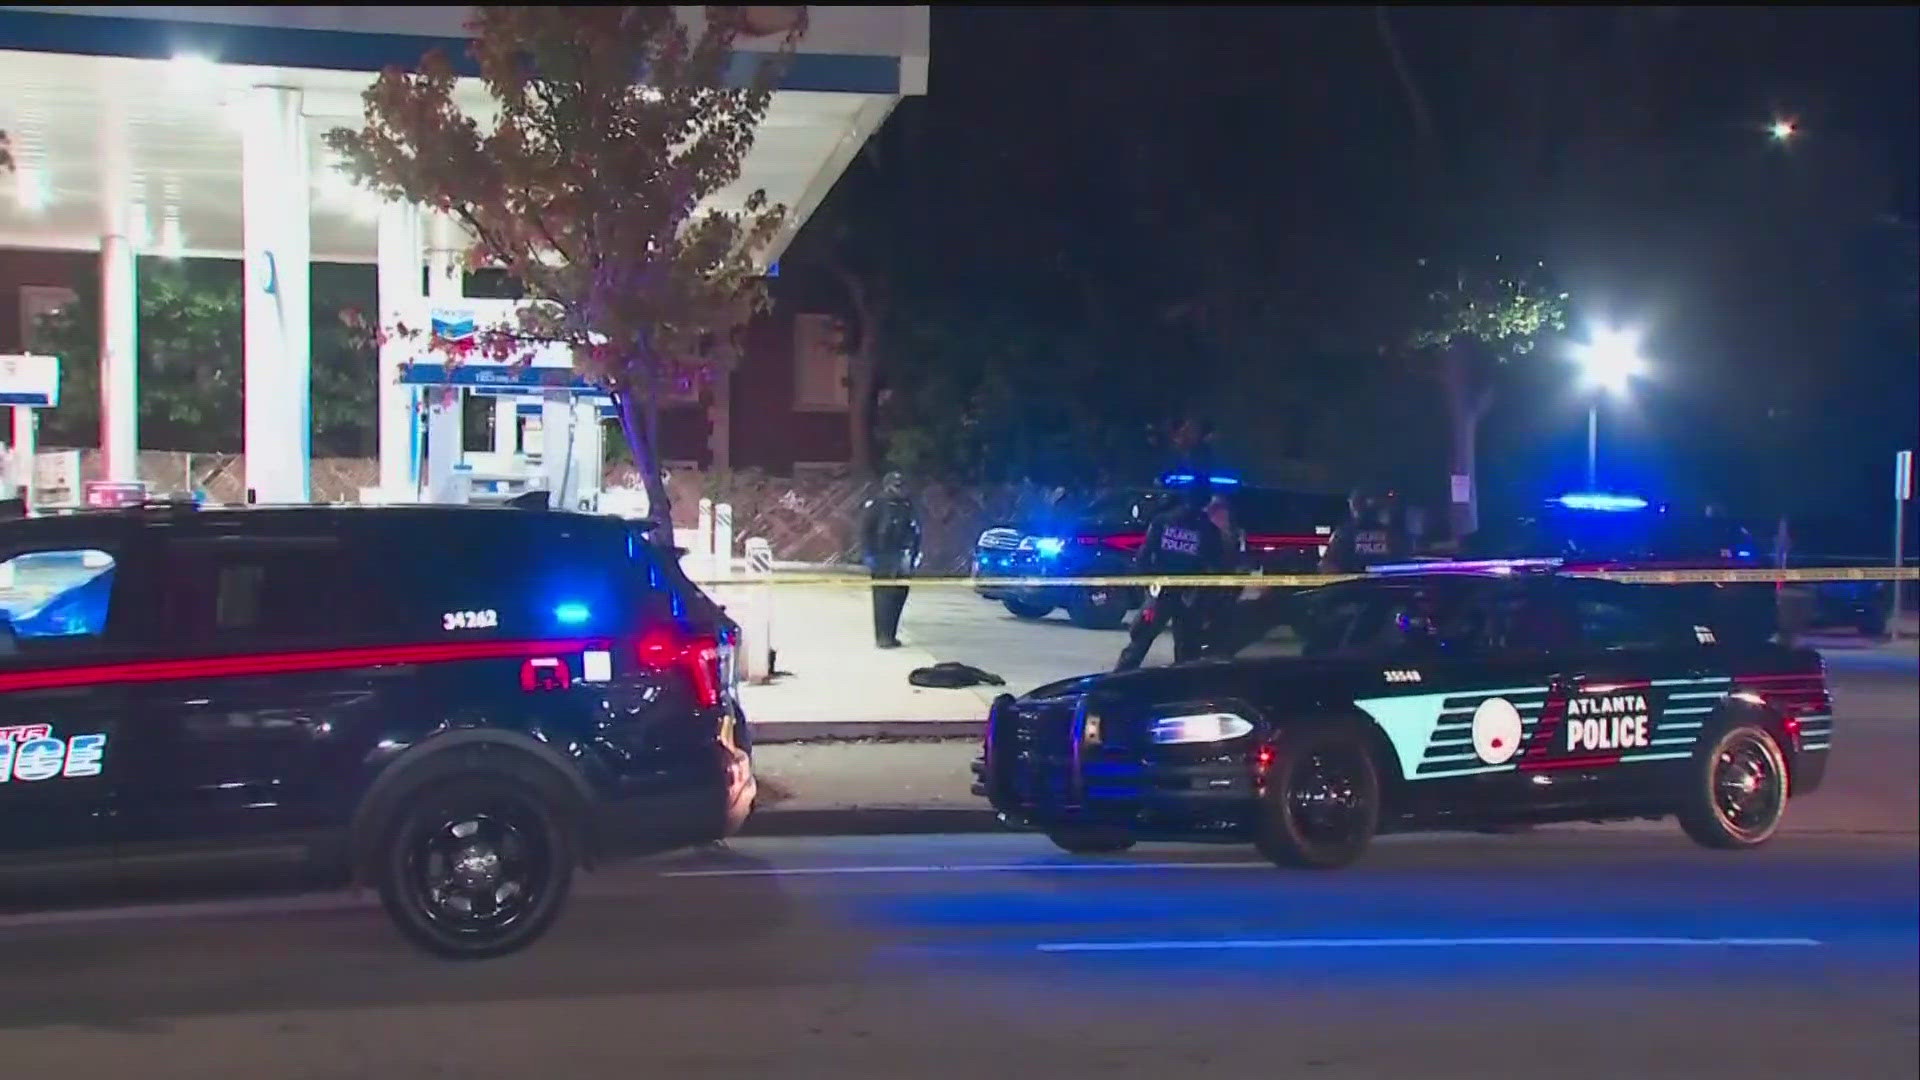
{"x": 859, "y": 579}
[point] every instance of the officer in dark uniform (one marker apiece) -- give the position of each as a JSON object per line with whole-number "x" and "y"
{"x": 890, "y": 546}
{"x": 1372, "y": 535}
{"x": 1182, "y": 539}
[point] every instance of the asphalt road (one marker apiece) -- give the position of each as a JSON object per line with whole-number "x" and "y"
{"x": 1569, "y": 954}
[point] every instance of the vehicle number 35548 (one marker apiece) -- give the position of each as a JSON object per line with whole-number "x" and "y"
{"x": 470, "y": 620}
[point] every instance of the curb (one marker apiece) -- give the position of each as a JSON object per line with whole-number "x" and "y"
{"x": 874, "y": 821}
{"x": 794, "y": 731}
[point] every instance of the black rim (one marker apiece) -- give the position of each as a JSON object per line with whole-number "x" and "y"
{"x": 476, "y": 870}
{"x": 1747, "y": 785}
{"x": 1325, "y": 798}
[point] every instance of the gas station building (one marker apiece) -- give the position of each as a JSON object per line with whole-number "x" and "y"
{"x": 196, "y": 132}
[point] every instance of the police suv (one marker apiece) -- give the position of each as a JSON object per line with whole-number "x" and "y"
{"x": 454, "y": 705}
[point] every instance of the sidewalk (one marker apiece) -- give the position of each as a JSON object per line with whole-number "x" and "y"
{"x": 832, "y": 681}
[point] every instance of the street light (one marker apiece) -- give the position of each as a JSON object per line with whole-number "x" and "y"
{"x": 1607, "y": 364}
{"x": 1782, "y": 130}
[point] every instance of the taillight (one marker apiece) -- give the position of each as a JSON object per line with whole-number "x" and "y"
{"x": 665, "y": 649}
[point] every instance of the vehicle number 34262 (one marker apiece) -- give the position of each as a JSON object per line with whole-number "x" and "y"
{"x": 470, "y": 620}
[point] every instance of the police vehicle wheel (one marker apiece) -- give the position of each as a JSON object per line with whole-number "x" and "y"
{"x": 476, "y": 865}
{"x": 1020, "y": 609}
{"x": 1097, "y": 609}
{"x": 1738, "y": 792}
{"x": 1321, "y": 806}
{"x": 1090, "y": 841}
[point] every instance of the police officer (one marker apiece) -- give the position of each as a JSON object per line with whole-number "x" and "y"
{"x": 890, "y": 546}
{"x": 1183, "y": 539}
{"x": 1371, "y": 536}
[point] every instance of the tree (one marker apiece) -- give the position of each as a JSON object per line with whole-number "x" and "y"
{"x": 191, "y": 349}
{"x": 1474, "y": 319}
{"x": 612, "y": 127}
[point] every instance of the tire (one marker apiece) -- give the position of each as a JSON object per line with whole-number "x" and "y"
{"x": 1744, "y": 763}
{"x": 1021, "y": 609}
{"x": 510, "y": 831}
{"x": 1097, "y": 609}
{"x": 1090, "y": 841}
{"x": 1321, "y": 806}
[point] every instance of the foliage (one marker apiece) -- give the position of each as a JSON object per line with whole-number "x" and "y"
{"x": 6, "y": 153}
{"x": 611, "y": 127}
{"x": 191, "y": 367}
{"x": 1498, "y": 310}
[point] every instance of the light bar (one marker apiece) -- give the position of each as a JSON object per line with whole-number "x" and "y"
{"x": 1181, "y": 479}
{"x": 1593, "y": 500}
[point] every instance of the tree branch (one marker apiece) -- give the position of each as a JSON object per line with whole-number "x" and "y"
{"x": 1416, "y": 101}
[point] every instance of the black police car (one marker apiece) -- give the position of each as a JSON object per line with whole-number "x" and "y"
{"x": 454, "y": 705}
{"x": 1433, "y": 700}
{"x": 1280, "y": 532}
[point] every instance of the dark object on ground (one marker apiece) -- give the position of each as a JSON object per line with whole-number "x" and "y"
{"x": 953, "y": 676}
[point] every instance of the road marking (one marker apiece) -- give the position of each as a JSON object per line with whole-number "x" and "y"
{"x": 1426, "y": 943}
{"x": 962, "y": 868}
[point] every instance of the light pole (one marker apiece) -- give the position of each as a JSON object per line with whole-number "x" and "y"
{"x": 1608, "y": 363}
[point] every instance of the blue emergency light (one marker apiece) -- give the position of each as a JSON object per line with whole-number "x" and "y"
{"x": 1184, "y": 479}
{"x": 1595, "y": 500}
{"x": 572, "y": 614}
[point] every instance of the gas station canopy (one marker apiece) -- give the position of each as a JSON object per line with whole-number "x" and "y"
{"x": 198, "y": 131}
{"x": 142, "y": 107}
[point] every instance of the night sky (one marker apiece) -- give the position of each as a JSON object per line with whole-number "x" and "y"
{"x": 1237, "y": 191}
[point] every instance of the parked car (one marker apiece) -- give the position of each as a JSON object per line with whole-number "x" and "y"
{"x": 455, "y": 706}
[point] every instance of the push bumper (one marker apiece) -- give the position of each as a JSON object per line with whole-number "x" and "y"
{"x": 1042, "y": 773}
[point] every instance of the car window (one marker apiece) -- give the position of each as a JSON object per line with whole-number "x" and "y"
{"x": 57, "y": 595}
{"x": 258, "y": 591}
{"x": 1619, "y": 616}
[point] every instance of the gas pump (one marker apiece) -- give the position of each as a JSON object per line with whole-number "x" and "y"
{"x": 556, "y": 445}
{"x": 27, "y": 383}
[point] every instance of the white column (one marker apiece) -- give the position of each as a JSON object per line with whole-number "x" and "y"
{"x": 444, "y": 436}
{"x": 506, "y": 426}
{"x": 401, "y": 305}
{"x": 21, "y": 455}
{"x": 557, "y": 438}
{"x": 119, "y": 357}
{"x": 588, "y": 455}
{"x": 278, "y": 426}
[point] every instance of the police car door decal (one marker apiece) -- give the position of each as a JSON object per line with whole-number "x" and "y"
{"x": 1627, "y": 723}
{"x": 30, "y": 752}
{"x": 1440, "y": 736}
{"x": 1437, "y": 736}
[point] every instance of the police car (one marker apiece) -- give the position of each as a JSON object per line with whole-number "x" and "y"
{"x": 1468, "y": 697}
{"x": 1279, "y": 532}
{"x": 456, "y": 706}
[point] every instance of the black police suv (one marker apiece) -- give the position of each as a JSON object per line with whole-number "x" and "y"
{"x": 1607, "y": 532}
{"x": 1433, "y": 700}
{"x": 1278, "y": 532}
{"x": 455, "y": 705}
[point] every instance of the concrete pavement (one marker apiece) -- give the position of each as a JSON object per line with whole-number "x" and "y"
{"x": 1568, "y": 955}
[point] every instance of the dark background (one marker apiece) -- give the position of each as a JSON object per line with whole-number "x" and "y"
{"x": 1101, "y": 217}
